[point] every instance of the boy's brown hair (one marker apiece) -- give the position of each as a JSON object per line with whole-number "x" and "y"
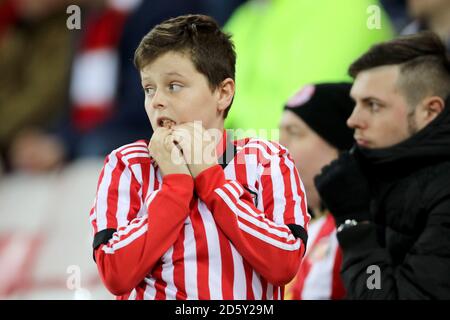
{"x": 211, "y": 50}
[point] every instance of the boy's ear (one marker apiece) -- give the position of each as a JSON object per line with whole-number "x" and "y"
{"x": 225, "y": 94}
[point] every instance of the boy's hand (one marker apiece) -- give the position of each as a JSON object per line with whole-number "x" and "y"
{"x": 198, "y": 146}
{"x": 166, "y": 153}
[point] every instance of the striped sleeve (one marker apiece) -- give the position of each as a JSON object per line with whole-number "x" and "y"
{"x": 134, "y": 243}
{"x": 272, "y": 247}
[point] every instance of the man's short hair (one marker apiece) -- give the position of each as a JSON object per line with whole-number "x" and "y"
{"x": 423, "y": 61}
{"x": 211, "y": 50}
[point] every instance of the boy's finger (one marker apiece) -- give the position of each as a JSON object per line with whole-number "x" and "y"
{"x": 184, "y": 129}
{"x": 160, "y": 133}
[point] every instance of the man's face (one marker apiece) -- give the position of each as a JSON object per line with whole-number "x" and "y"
{"x": 381, "y": 117}
{"x": 309, "y": 151}
{"x": 176, "y": 93}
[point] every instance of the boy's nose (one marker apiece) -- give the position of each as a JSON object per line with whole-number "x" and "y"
{"x": 158, "y": 101}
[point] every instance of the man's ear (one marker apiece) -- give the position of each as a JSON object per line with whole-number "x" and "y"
{"x": 225, "y": 94}
{"x": 430, "y": 108}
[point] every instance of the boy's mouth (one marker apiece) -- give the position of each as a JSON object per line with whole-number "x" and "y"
{"x": 166, "y": 122}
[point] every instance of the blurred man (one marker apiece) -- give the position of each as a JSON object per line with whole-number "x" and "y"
{"x": 313, "y": 129}
{"x": 35, "y": 58}
{"x": 433, "y": 15}
{"x": 391, "y": 196}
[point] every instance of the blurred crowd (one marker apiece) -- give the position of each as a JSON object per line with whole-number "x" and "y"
{"x": 72, "y": 95}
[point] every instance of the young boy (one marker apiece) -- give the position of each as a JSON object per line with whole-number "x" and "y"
{"x": 313, "y": 127}
{"x": 171, "y": 221}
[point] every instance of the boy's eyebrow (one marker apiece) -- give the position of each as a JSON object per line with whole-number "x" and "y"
{"x": 174, "y": 73}
{"x": 170, "y": 73}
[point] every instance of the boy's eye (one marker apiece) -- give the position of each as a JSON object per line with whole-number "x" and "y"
{"x": 174, "y": 87}
{"x": 149, "y": 91}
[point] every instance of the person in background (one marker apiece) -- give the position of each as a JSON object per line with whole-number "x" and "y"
{"x": 431, "y": 15}
{"x": 313, "y": 128}
{"x": 35, "y": 55}
{"x": 390, "y": 195}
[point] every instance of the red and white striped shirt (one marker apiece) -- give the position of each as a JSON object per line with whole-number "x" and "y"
{"x": 180, "y": 238}
{"x": 319, "y": 275}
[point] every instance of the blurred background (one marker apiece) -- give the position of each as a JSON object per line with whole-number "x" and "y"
{"x": 69, "y": 95}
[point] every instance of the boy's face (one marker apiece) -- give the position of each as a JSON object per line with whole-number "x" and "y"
{"x": 176, "y": 93}
{"x": 309, "y": 151}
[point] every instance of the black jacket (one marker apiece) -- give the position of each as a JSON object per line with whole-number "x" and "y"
{"x": 409, "y": 237}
